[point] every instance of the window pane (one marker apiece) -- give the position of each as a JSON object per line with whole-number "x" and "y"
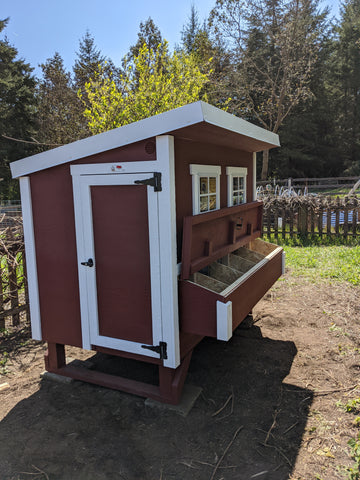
{"x": 235, "y": 200}
{"x": 212, "y": 185}
{"x": 204, "y": 185}
{"x": 235, "y": 183}
{"x": 204, "y": 204}
{"x": 241, "y": 197}
{"x": 212, "y": 202}
{"x": 241, "y": 183}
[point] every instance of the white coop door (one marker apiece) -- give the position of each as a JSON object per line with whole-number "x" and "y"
{"x": 117, "y": 231}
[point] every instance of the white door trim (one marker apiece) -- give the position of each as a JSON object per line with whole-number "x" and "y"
{"x": 87, "y": 276}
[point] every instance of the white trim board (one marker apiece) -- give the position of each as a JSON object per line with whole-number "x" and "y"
{"x": 30, "y": 252}
{"x": 192, "y": 114}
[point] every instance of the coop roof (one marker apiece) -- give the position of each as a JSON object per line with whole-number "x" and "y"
{"x": 197, "y": 121}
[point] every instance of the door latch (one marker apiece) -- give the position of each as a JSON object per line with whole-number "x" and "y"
{"x": 89, "y": 263}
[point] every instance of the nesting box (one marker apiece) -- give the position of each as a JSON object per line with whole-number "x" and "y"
{"x": 143, "y": 240}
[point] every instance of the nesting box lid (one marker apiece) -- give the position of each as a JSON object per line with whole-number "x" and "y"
{"x": 210, "y": 236}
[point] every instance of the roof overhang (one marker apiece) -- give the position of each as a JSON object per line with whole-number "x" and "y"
{"x": 197, "y": 122}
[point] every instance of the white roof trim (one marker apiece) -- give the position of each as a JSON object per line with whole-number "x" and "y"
{"x": 134, "y": 132}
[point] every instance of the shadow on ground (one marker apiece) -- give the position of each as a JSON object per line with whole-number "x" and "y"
{"x": 82, "y": 432}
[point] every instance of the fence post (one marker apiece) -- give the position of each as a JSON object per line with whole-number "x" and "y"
{"x": 302, "y": 220}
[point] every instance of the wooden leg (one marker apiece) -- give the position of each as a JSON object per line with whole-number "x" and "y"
{"x": 55, "y": 357}
{"x": 171, "y": 381}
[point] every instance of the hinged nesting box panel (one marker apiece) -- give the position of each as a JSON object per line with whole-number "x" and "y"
{"x": 226, "y": 269}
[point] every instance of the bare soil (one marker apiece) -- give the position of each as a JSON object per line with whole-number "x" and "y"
{"x": 270, "y": 407}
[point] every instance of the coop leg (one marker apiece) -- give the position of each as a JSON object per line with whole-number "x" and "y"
{"x": 55, "y": 357}
{"x": 171, "y": 381}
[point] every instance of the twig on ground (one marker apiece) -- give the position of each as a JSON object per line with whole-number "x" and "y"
{"x": 335, "y": 390}
{"x": 224, "y": 406}
{"x": 290, "y": 428}
{"x": 39, "y": 472}
{"x": 225, "y": 452}
{"x": 273, "y": 425}
{"x": 279, "y": 451}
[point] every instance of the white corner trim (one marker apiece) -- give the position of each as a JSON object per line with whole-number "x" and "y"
{"x": 223, "y": 320}
{"x": 168, "y": 266}
{"x": 254, "y": 177}
{"x": 30, "y": 252}
{"x": 283, "y": 262}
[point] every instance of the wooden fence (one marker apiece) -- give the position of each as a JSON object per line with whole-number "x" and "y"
{"x": 291, "y": 217}
{"x": 14, "y": 303}
{"x": 312, "y": 184}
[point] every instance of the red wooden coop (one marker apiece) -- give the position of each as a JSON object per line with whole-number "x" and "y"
{"x": 143, "y": 240}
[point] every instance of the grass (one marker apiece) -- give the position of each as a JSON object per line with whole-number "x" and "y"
{"x": 339, "y": 263}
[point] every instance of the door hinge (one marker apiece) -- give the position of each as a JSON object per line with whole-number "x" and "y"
{"x": 154, "y": 181}
{"x": 161, "y": 349}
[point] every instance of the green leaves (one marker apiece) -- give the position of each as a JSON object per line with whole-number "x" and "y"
{"x": 153, "y": 82}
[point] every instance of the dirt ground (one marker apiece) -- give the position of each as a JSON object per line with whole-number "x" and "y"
{"x": 270, "y": 407}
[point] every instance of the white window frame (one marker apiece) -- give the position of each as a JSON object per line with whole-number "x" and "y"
{"x": 198, "y": 171}
{"x": 233, "y": 172}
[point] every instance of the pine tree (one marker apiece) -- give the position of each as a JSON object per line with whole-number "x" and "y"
{"x": 274, "y": 47}
{"x": 149, "y": 34}
{"x": 190, "y": 31}
{"x": 345, "y": 85}
{"x": 17, "y": 112}
{"x": 60, "y": 110}
{"x": 88, "y": 62}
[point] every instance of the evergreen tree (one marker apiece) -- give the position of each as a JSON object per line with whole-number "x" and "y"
{"x": 89, "y": 60}
{"x": 17, "y": 109}
{"x": 274, "y": 47}
{"x": 190, "y": 31}
{"x": 149, "y": 35}
{"x": 345, "y": 85}
{"x": 60, "y": 110}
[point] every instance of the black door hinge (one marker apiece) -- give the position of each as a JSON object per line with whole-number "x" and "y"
{"x": 161, "y": 349}
{"x": 154, "y": 181}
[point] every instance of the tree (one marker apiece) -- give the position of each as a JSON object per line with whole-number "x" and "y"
{"x": 345, "y": 85}
{"x": 60, "y": 111}
{"x": 190, "y": 31}
{"x": 274, "y": 45}
{"x": 88, "y": 61}
{"x": 17, "y": 112}
{"x": 154, "y": 82}
{"x": 149, "y": 35}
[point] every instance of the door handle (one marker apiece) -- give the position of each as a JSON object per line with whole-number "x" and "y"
{"x": 89, "y": 263}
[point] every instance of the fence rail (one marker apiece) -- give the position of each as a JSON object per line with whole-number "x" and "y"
{"x": 313, "y": 184}
{"x": 292, "y": 217}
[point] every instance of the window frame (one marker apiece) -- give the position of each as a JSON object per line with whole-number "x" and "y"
{"x": 233, "y": 172}
{"x": 198, "y": 171}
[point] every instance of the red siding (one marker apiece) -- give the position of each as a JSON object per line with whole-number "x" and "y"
{"x": 188, "y": 152}
{"x": 55, "y": 241}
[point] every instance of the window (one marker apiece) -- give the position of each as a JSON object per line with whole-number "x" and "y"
{"x": 236, "y": 185}
{"x": 206, "y": 188}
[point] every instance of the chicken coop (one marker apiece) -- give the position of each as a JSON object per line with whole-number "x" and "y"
{"x": 143, "y": 240}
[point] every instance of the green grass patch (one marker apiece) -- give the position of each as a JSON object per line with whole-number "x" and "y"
{"x": 340, "y": 263}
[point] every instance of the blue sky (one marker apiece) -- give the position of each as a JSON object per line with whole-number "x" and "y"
{"x": 39, "y": 28}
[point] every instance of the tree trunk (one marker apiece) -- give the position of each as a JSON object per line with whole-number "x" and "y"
{"x": 265, "y": 164}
